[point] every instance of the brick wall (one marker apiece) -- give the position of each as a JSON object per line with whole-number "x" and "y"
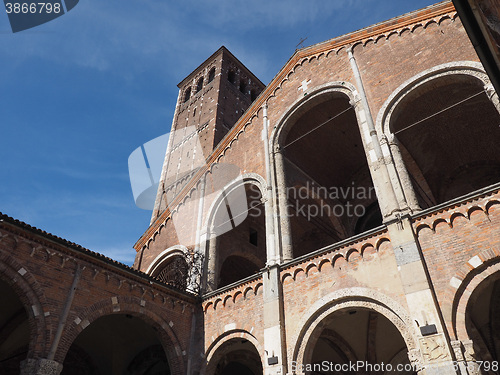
{"x": 41, "y": 268}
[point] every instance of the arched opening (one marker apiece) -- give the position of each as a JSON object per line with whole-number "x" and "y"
{"x": 117, "y": 344}
{"x": 235, "y": 268}
{"x": 187, "y": 94}
{"x": 253, "y": 95}
{"x": 448, "y": 132}
{"x": 14, "y": 331}
{"x": 199, "y": 84}
{"x": 236, "y": 368}
{"x": 356, "y": 334}
{"x": 240, "y": 242}
{"x": 372, "y": 218}
{"x": 211, "y": 75}
{"x": 173, "y": 271}
{"x": 329, "y": 190}
{"x": 483, "y": 321}
{"x": 231, "y": 76}
{"x": 236, "y": 356}
{"x": 243, "y": 86}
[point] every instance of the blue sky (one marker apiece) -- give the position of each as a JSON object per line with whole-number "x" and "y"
{"x": 80, "y": 93}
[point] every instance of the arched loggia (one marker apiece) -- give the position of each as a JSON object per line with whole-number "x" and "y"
{"x": 357, "y": 335}
{"x": 354, "y": 325}
{"x": 236, "y": 355}
{"x": 323, "y": 179}
{"x": 236, "y": 233}
{"x": 23, "y": 329}
{"x": 14, "y": 331}
{"x": 442, "y": 127}
{"x": 483, "y": 321}
{"x": 117, "y": 344}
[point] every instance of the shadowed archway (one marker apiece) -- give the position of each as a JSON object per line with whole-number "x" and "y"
{"x": 447, "y": 130}
{"x": 235, "y": 356}
{"x": 14, "y": 331}
{"x": 482, "y": 321}
{"x": 328, "y": 190}
{"x": 356, "y": 336}
{"x": 117, "y": 344}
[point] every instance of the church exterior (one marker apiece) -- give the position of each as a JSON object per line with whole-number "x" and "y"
{"x": 345, "y": 218}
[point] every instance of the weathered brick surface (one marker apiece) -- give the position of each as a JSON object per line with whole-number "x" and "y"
{"x": 237, "y": 310}
{"x": 458, "y": 243}
{"x": 388, "y": 55}
{"x": 41, "y": 270}
{"x": 385, "y": 60}
{"x": 450, "y": 238}
{"x": 388, "y": 61}
{"x": 367, "y": 263}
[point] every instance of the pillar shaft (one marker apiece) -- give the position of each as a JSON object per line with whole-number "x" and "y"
{"x": 283, "y": 214}
{"x": 274, "y": 324}
{"x": 404, "y": 176}
{"x": 433, "y": 351}
{"x": 211, "y": 276}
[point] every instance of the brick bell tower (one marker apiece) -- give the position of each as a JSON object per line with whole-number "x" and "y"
{"x": 211, "y": 99}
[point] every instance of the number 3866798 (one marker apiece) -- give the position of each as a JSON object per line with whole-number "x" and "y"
{"x": 32, "y": 8}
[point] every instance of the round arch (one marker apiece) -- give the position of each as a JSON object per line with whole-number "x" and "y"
{"x": 326, "y": 130}
{"x": 216, "y": 351}
{"x": 245, "y": 179}
{"x": 172, "y": 251}
{"x": 32, "y": 298}
{"x": 474, "y": 320}
{"x": 224, "y": 219}
{"x": 301, "y": 105}
{"x": 346, "y": 299}
{"x": 463, "y": 295}
{"x": 444, "y": 157}
{"x": 471, "y": 69}
{"x": 128, "y": 306}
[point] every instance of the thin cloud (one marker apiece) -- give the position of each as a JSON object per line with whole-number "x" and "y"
{"x": 259, "y": 14}
{"x": 118, "y": 37}
{"x": 124, "y": 254}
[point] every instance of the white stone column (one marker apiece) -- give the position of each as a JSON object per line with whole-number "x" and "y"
{"x": 404, "y": 176}
{"x": 194, "y": 281}
{"x": 387, "y": 200}
{"x": 211, "y": 277}
{"x": 382, "y": 183}
{"x": 267, "y": 196}
{"x": 465, "y": 368}
{"x": 393, "y": 174}
{"x": 283, "y": 214}
{"x": 271, "y": 255}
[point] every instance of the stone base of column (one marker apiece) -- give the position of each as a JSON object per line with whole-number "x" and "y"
{"x": 40, "y": 367}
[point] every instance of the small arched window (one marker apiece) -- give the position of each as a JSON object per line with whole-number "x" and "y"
{"x": 211, "y": 75}
{"x": 243, "y": 86}
{"x": 231, "y": 76}
{"x": 187, "y": 94}
{"x": 199, "y": 85}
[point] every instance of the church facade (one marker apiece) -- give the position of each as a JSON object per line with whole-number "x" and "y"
{"x": 345, "y": 218}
